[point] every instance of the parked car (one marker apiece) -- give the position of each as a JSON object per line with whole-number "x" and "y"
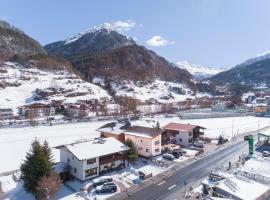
{"x": 176, "y": 154}
{"x": 198, "y": 144}
{"x": 168, "y": 156}
{"x": 108, "y": 187}
{"x": 144, "y": 175}
{"x": 266, "y": 153}
{"x": 87, "y": 187}
{"x": 101, "y": 180}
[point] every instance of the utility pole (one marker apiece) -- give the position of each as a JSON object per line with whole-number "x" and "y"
{"x": 232, "y": 128}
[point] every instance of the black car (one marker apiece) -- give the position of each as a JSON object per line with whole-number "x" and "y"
{"x": 101, "y": 180}
{"x": 176, "y": 154}
{"x": 108, "y": 187}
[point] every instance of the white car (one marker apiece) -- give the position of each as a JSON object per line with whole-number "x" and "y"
{"x": 266, "y": 154}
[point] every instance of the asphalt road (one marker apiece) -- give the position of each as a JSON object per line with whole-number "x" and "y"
{"x": 172, "y": 187}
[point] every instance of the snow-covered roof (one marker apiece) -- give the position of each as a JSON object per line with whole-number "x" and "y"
{"x": 239, "y": 186}
{"x": 180, "y": 127}
{"x": 257, "y": 166}
{"x": 114, "y": 127}
{"x": 95, "y": 148}
{"x": 141, "y": 131}
{"x": 265, "y": 133}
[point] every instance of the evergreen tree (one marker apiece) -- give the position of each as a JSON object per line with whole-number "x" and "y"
{"x": 35, "y": 166}
{"x": 132, "y": 153}
{"x": 158, "y": 125}
{"x": 48, "y": 152}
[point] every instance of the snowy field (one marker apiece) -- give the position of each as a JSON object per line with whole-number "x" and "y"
{"x": 15, "y": 142}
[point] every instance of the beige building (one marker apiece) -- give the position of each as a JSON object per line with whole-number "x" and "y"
{"x": 147, "y": 140}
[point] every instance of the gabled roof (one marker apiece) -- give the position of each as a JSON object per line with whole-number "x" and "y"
{"x": 115, "y": 127}
{"x": 141, "y": 131}
{"x": 94, "y": 148}
{"x": 180, "y": 127}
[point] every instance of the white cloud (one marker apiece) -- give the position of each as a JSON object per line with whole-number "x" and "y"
{"x": 124, "y": 25}
{"x": 157, "y": 40}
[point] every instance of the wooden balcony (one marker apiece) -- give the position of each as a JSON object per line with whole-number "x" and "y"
{"x": 111, "y": 158}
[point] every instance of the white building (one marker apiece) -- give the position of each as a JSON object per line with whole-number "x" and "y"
{"x": 89, "y": 158}
{"x": 182, "y": 134}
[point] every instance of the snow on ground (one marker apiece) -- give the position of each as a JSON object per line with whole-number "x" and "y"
{"x": 130, "y": 175}
{"x": 162, "y": 91}
{"x": 27, "y": 80}
{"x": 15, "y": 142}
{"x": 215, "y": 126}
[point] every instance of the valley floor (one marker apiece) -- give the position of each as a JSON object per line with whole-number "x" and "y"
{"x": 15, "y": 142}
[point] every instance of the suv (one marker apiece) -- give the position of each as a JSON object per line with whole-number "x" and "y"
{"x": 101, "y": 180}
{"x": 108, "y": 187}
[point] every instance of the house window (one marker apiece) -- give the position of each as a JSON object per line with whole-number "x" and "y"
{"x": 157, "y": 142}
{"x": 90, "y": 172}
{"x": 190, "y": 134}
{"x": 68, "y": 160}
{"x": 180, "y": 139}
{"x": 190, "y": 140}
{"x": 75, "y": 170}
{"x": 156, "y": 150}
{"x": 91, "y": 161}
{"x": 147, "y": 150}
{"x": 141, "y": 140}
{"x": 72, "y": 157}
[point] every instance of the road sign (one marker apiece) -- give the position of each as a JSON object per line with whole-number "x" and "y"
{"x": 250, "y": 144}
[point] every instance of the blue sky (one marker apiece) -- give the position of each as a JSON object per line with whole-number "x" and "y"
{"x": 207, "y": 32}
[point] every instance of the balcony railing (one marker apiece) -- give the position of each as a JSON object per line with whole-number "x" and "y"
{"x": 111, "y": 159}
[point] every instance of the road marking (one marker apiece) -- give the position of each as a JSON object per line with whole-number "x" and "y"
{"x": 162, "y": 182}
{"x": 171, "y": 187}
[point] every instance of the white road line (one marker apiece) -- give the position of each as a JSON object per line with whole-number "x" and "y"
{"x": 162, "y": 182}
{"x": 171, "y": 187}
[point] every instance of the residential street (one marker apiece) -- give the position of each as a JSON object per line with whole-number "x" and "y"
{"x": 172, "y": 187}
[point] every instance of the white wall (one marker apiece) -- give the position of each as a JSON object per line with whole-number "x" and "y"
{"x": 184, "y": 136}
{"x": 74, "y": 163}
{"x": 91, "y": 166}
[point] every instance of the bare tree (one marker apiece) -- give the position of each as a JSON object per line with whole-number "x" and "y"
{"x": 48, "y": 186}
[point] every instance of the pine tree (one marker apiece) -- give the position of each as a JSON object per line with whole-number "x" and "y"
{"x": 35, "y": 166}
{"x": 132, "y": 153}
{"x": 48, "y": 152}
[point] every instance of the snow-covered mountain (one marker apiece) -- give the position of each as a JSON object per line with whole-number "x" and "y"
{"x": 257, "y": 58}
{"x": 253, "y": 71}
{"x": 106, "y": 52}
{"x": 198, "y": 71}
{"x": 156, "y": 91}
{"x": 20, "y": 85}
{"x": 109, "y": 27}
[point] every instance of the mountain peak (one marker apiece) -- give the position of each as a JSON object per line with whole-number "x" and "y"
{"x": 105, "y": 28}
{"x": 199, "y": 71}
